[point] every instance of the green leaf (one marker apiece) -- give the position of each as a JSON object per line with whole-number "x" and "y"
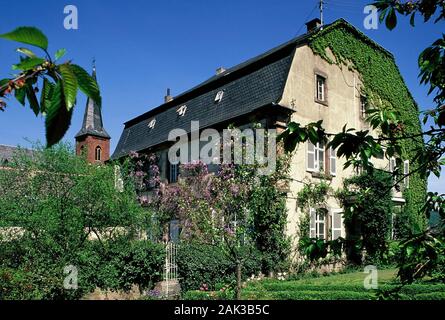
{"x": 58, "y": 117}
{"x": 60, "y": 53}
{"x": 28, "y": 35}
{"x": 46, "y": 95}
{"x": 20, "y": 95}
{"x": 412, "y": 19}
{"x": 391, "y": 19}
{"x": 26, "y": 52}
{"x": 32, "y": 99}
{"x": 69, "y": 85}
{"x": 28, "y": 64}
{"x": 87, "y": 84}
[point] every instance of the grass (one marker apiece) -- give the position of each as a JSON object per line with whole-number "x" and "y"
{"x": 348, "y": 286}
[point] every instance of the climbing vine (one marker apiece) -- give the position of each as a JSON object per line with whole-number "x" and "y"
{"x": 381, "y": 78}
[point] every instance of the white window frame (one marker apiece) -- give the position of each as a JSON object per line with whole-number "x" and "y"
{"x": 182, "y": 110}
{"x": 332, "y": 162}
{"x": 406, "y": 173}
{"x": 320, "y": 87}
{"x": 363, "y": 104}
{"x": 152, "y": 123}
{"x": 219, "y": 96}
{"x": 314, "y": 232}
{"x": 317, "y": 151}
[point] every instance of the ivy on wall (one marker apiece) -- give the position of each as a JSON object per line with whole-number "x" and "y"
{"x": 381, "y": 78}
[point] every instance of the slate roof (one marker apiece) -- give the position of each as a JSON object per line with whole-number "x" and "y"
{"x": 92, "y": 119}
{"x": 7, "y": 153}
{"x": 249, "y": 86}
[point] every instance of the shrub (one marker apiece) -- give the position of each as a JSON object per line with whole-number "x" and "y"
{"x": 200, "y": 264}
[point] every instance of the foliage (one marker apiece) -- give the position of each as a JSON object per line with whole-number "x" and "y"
{"x": 200, "y": 264}
{"x": 348, "y": 286}
{"x": 391, "y": 107}
{"x": 313, "y": 195}
{"x": 268, "y": 203}
{"x": 59, "y": 83}
{"x": 53, "y": 205}
{"x": 236, "y": 208}
{"x": 367, "y": 200}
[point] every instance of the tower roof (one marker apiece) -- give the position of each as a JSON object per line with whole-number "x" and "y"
{"x": 92, "y": 120}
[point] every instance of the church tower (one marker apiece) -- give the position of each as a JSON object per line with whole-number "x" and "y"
{"x": 92, "y": 138}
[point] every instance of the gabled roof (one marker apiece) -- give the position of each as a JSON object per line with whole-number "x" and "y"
{"x": 92, "y": 119}
{"x": 7, "y": 153}
{"x": 249, "y": 86}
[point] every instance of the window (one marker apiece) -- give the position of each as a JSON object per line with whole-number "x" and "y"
{"x": 318, "y": 224}
{"x": 363, "y": 106}
{"x": 152, "y": 123}
{"x": 336, "y": 224}
{"x": 332, "y": 162}
{"x": 98, "y": 154}
{"x": 181, "y": 110}
{"x": 321, "y": 88}
{"x": 315, "y": 157}
{"x": 392, "y": 164}
{"x": 174, "y": 231}
{"x": 173, "y": 173}
{"x": 406, "y": 173}
{"x": 219, "y": 96}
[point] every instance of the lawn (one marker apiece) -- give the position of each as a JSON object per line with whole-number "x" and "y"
{"x": 347, "y": 286}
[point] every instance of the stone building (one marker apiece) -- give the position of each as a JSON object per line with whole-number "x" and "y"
{"x": 287, "y": 83}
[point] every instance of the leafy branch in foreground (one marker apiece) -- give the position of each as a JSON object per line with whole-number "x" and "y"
{"x": 59, "y": 83}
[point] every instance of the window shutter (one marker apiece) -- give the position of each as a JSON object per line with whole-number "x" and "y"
{"x": 406, "y": 173}
{"x": 312, "y": 213}
{"x": 332, "y": 162}
{"x": 336, "y": 225}
{"x": 392, "y": 164}
{"x": 311, "y": 157}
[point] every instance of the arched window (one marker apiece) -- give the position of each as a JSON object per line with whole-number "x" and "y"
{"x": 98, "y": 154}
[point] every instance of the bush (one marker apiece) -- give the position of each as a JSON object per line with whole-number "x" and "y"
{"x": 131, "y": 263}
{"x": 200, "y": 264}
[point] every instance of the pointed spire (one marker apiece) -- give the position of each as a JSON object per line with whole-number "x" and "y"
{"x": 92, "y": 119}
{"x": 94, "y": 69}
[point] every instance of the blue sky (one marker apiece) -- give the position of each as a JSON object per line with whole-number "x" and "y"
{"x": 142, "y": 47}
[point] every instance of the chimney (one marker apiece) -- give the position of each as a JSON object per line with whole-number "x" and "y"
{"x": 220, "y": 70}
{"x": 313, "y": 25}
{"x": 168, "y": 97}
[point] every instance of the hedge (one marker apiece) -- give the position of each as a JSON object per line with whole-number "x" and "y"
{"x": 200, "y": 264}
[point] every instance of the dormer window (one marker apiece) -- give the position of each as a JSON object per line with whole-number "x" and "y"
{"x": 152, "y": 123}
{"x": 219, "y": 96}
{"x": 182, "y": 110}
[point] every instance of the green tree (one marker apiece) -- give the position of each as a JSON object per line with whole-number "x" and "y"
{"x": 59, "y": 210}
